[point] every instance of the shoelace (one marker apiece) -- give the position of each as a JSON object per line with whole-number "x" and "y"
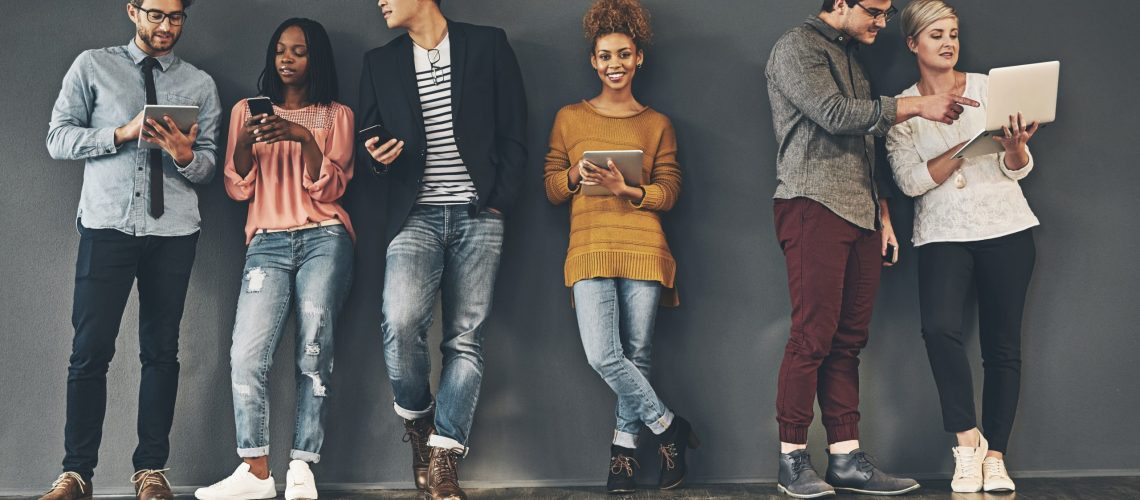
{"x": 418, "y": 441}
{"x": 864, "y": 461}
{"x": 967, "y": 464}
{"x": 150, "y": 477}
{"x": 444, "y": 467}
{"x": 60, "y": 482}
{"x": 622, "y": 463}
{"x": 801, "y": 463}
{"x": 668, "y": 453}
{"x": 995, "y": 467}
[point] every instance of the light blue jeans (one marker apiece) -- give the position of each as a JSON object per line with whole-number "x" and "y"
{"x": 615, "y": 320}
{"x": 314, "y": 266}
{"x": 440, "y": 249}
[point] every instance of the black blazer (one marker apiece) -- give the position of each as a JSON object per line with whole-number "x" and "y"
{"x": 489, "y": 111}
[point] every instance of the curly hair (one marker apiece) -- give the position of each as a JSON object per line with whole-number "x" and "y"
{"x": 627, "y": 17}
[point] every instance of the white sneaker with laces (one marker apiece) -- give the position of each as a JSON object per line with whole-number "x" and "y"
{"x": 241, "y": 485}
{"x": 968, "y": 467}
{"x": 299, "y": 482}
{"x": 996, "y": 478}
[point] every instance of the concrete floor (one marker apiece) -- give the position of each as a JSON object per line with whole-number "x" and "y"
{"x": 1114, "y": 488}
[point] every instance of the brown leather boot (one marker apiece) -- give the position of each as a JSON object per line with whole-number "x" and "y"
{"x": 68, "y": 486}
{"x": 151, "y": 484}
{"x": 417, "y": 432}
{"x": 444, "y": 475}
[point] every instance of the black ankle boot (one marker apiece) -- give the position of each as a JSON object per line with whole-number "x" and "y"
{"x": 622, "y": 473}
{"x": 674, "y": 441}
{"x": 855, "y": 472}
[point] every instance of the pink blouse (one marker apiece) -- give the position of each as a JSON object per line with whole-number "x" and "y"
{"x": 281, "y": 194}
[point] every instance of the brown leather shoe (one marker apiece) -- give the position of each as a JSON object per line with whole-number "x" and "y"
{"x": 68, "y": 486}
{"x": 444, "y": 475}
{"x": 417, "y": 432}
{"x": 151, "y": 484}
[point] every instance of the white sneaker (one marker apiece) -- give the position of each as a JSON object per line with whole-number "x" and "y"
{"x": 299, "y": 482}
{"x": 996, "y": 477}
{"x": 968, "y": 467}
{"x": 241, "y": 485}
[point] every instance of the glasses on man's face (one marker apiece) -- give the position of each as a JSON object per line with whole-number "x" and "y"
{"x": 157, "y": 16}
{"x": 437, "y": 75}
{"x": 880, "y": 15}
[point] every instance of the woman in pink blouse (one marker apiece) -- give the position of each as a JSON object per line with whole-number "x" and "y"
{"x": 292, "y": 166}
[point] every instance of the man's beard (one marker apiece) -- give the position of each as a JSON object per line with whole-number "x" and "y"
{"x": 148, "y": 40}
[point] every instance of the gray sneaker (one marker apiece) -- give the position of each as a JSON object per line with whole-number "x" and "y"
{"x": 799, "y": 479}
{"x": 855, "y": 472}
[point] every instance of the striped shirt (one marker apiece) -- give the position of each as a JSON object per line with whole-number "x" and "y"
{"x": 446, "y": 180}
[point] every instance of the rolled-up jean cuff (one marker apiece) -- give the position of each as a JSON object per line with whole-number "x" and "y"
{"x": 662, "y": 423}
{"x": 793, "y": 434}
{"x": 253, "y": 452}
{"x": 625, "y": 440}
{"x": 407, "y": 414}
{"x": 437, "y": 441}
{"x": 842, "y": 432}
{"x": 305, "y": 456}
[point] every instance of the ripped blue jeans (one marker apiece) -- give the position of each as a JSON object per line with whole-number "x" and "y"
{"x": 307, "y": 271}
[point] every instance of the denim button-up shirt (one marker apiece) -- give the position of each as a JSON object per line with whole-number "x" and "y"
{"x": 103, "y": 90}
{"x": 825, "y": 118}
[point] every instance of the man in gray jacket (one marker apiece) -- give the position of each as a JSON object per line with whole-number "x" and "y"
{"x": 835, "y": 231}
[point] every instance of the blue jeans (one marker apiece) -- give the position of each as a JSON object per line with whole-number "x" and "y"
{"x": 615, "y": 319}
{"x": 444, "y": 249}
{"x": 315, "y": 265}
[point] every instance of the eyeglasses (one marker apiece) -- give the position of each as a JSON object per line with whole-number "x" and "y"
{"x": 880, "y": 15}
{"x": 437, "y": 75}
{"x": 157, "y": 16}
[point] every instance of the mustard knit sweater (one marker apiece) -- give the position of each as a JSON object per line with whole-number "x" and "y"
{"x": 611, "y": 237}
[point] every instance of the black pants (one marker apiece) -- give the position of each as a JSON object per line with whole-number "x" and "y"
{"x": 107, "y": 265}
{"x": 1000, "y": 269}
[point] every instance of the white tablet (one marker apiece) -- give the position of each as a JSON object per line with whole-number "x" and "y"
{"x": 629, "y": 163}
{"x": 1030, "y": 89}
{"x": 183, "y": 116}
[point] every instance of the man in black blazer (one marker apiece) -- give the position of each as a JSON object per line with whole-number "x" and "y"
{"x": 452, "y": 95}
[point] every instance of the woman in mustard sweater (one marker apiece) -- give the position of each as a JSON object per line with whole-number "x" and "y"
{"x": 618, "y": 262}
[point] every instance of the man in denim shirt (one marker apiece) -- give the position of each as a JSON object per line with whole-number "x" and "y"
{"x": 138, "y": 217}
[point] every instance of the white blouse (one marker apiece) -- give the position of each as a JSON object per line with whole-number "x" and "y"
{"x": 990, "y": 205}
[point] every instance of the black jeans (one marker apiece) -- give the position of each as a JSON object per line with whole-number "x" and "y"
{"x": 1000, "y": 269}
{"x": 107, "y": 265}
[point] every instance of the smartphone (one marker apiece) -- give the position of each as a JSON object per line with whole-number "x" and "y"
{"x": 375, "y": 131}
{"x": 260, "y": 106}
{"x": 891, "y": 251}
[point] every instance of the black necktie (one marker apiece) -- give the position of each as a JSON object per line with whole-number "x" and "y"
{"x": 154, "y": 155}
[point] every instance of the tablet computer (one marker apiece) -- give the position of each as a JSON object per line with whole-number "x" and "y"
{"x": 629, "y": 162}
{"x": 1030, "y": 89}
{"x": 183, "y": 116}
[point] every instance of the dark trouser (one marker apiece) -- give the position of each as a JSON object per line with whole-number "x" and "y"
{"x": 108, "y": 263}
{"x": 1001, "y": 269}
{"x": 833, "y": 275}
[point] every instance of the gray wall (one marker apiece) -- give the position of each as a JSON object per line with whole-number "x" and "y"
{"x": 545, "y": 417}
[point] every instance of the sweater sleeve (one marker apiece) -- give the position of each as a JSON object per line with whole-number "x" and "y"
{"x": 336, "y": 167}
{"x": 239, "y": 188}
{"x": 557, "y": 165}
{"x": 664, "y": 185}
{"x": 910, "y": 171}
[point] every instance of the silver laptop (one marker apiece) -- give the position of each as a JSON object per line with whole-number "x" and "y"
{"x": 629, "y": 162}
{"x": 1030, "y": 89}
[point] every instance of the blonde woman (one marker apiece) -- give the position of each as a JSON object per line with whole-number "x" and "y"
{"x": 972, "y": 232}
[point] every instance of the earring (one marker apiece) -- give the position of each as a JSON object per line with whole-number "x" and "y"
{"x": 639, "y": 65}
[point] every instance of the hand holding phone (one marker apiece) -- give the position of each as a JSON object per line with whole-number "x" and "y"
{"x": 259, "y": 106}
{"x": 889, "y": 257}
{"x": 381, "y": 144}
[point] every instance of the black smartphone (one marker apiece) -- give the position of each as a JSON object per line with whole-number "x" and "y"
{"x": 259, "y": 106}
{"x": 891, "y": 251}
{"x": 375, "y": 131}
